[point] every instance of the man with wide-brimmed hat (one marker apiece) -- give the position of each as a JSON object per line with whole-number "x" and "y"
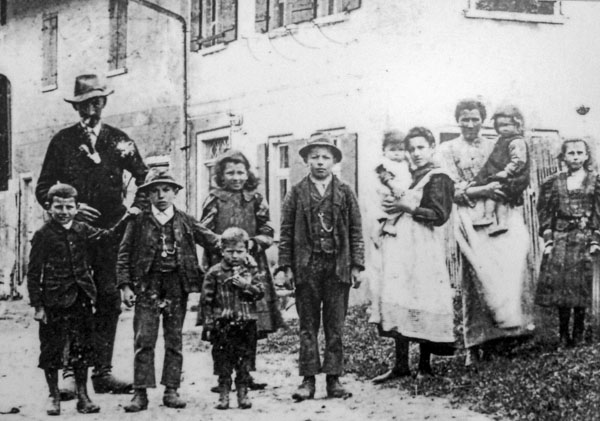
{"x": 321, "y": 251}
{"x": 91, "y": 156}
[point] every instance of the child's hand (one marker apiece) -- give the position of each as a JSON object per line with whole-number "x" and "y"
{"x": 385, "y": 177}
{"x": 128, "y": 296}
{"x": 501, "y": 175}
{"x": 594, "y": 249}
{"x": 40, "y": 315}
{"x": 208, "y": 335}
{"x": 227, "y": 314}
{"x": 356, "y": 277}
{"x": 548, "y": 250}
{"x": 240, "y": 282}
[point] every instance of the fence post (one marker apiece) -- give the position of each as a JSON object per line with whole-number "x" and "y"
{"x": 595, "y": 322}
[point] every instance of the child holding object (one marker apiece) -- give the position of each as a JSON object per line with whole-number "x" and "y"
{"x": 229, "y": 296}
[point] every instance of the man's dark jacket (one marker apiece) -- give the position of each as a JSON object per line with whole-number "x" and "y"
{"x": 99, "y": 185}
{"x": 296, "y": 244}
{"x": 141, "y": 243}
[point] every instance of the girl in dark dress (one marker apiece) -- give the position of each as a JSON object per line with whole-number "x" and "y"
{"x": 568, "y": 211}
{"x": 236, "y": 203}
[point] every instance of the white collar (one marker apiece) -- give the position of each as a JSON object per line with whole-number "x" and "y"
{"x": 324, "y": 182}
{"x": 163, "y": 216}
{"x": 68, "y": 225}
{"x": 95, "y": 129}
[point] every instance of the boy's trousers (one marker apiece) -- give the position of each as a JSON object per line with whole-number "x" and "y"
{"x": 232, "y": 349}
{"x": 163, "y": 295}
{"x": 319, "y": 292}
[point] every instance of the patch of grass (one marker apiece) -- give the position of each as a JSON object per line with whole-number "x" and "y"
{"x": 530, "y": 380}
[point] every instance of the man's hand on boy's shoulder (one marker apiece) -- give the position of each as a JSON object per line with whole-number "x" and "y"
{"x": 133, "y": 211}
{"x": 127, "y": 296}
{"x": 356, "y": 274}
{"x": 40, "y": 315}
{"x": 86, "y": 213}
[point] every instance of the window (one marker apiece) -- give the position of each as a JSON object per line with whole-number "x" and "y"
{"x": 50, "y": 39}
{"x": 272, "y": 14}
{"x": 5, "y": 133}
{"x": 213, "y": 22}
{"x": 541, "y": 11}
{"x": 118, "y": 36}
{"x": 213, "y": 148}
{"x": 3, "y": 12}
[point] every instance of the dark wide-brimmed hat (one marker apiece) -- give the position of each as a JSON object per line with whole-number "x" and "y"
{"x": 320, "y": 139}
{"x": 87, "y": 87}
{"x": 158, "y": 175}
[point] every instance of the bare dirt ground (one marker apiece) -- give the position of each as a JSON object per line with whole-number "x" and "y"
{"x": 22, "y": 385}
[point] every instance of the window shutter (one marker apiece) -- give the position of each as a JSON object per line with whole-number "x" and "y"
{"x": 3, "y": 12}
{"x": 195, "y": 24}
{"x": 50, "y": 36}
{"x": 348, "y": 5}
{"x": 207, "y": 21}
{"x": 301, "y": 10}
{"x": 347, "y": 143}
{"x": 261, "y": 17}
{"x": 298, "y": 169}
{"x": 117, "y": 10}
{"x": 276, "y": 14}
{"x": 5, "y": 140}
{"x": 228, "y": 20}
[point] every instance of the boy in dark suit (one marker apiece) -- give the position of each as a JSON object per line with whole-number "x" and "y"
{"x": 157, "y": 267}
{"x": 63, "y": 292}
{"x": 321, "y": 250}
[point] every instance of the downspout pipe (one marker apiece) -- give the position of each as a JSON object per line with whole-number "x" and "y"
{"x": 186, "y": 146}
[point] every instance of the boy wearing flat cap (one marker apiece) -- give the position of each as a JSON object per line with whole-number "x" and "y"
{"x": 321, "y": 250}
{"x": 157, "y": 268}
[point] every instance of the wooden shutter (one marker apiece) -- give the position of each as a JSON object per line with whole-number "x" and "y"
{"x": 298, "y": 169}
{"x": 195, "y": 24}
{"x": 348, "y": 167}
{"x": 276, "y": 14}
{"x": 5, "y": 138}
{"x": 50, "y": 37}
{"x": 3, "y": 12}
{"x": 348, "y": 5}
{"x": 228, "y": 20}
{"x": 301, "y": 10}
{"x": 118, "y": 33}
{"x": 261, "y": 16}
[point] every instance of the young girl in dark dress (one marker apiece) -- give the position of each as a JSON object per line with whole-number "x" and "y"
{"x": 236, "y": 203}
{"x": 569, "y": 215}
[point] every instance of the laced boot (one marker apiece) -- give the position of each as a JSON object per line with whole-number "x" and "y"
{"x": 139, "y": 401}
{"x": 84, "y": 403}
{"x": 306, "y": 390}
{"x": 224, "y": 389}
{"x": 242, "y": 396}
{"x": 53, "y": 404}
{"x": 171, "y": 398}
{"x": 105, "y": 382}
{"x": 335, "y": 388}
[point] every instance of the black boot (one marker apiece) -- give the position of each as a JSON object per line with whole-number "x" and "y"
{"x": 335, "y": 388}
{"x": 242, "y": 396}
{"x": 564, "y": 314}
{"x": 401, "y": 368}
{"x": 578, "y": 324}
{"x": 224, "y": 389}
{"x": 139, "y": 401}
{"x": 171, "y": 398}
{"x": 84, "y": 403}
{"x": 107, "y": 383}
{"x": 53, "y": 405}
{"x": 306, "y": 390}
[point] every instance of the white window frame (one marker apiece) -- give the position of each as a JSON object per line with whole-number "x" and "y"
{"x": 276, "y": 175}
{"x": 203, "y": 139}
{"x": 557, "y": 18}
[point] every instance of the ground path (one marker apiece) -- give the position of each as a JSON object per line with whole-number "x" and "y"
{"x": 22, "y": 386}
